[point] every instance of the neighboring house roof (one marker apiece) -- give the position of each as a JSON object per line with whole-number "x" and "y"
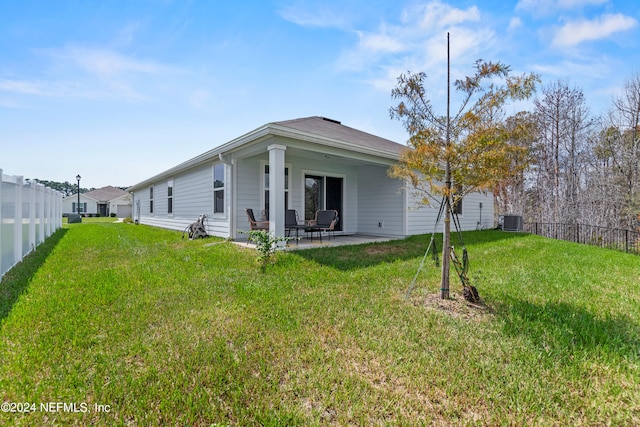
{"x": 318, "y": 130}
{"x": 74, "y": 197}
{"x": 105, "y": 194}
{"x": 101, "y": 195}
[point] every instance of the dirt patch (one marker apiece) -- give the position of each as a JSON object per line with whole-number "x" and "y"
{"x": 456, "y": 306}
{"x": 384, "y": 250}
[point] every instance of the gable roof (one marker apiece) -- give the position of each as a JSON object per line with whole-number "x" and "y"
{"x": 105, "y": 194}
{"x": 316, "y": 129}
{"x": 333, "y": 129}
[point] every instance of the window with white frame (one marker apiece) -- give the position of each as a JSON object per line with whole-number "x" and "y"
{"x": 170, "y": 197}
{"x": 150, "y": 199}
{"x": 265, "y": 185}
{"x": 79, "y": 208}
{"x": 218, "y": 188}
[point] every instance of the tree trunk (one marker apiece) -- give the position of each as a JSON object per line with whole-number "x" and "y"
{"x": 446, "y": 237}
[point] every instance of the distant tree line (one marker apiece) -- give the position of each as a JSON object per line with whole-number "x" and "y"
{"x": 576, "y": 167}
{"x": 67, "y": 188}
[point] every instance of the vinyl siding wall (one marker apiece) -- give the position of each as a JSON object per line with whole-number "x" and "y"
{"x": 372, "y": 203}
{"x": 247, "y": 175}
{"x": 192, "y": 196}
{"x": 421, "y": 219}
{"x": 381, "y": 203}
{"x": 67, "y": 204}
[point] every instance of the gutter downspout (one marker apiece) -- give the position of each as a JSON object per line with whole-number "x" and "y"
{"x": 232, "y": 192}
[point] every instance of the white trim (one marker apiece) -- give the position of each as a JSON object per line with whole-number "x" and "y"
{"x": 225, "y": 206}
{"x": 276, "y": 147}
{"x": 170, "y": 185}
{"x": 152, "y": 197}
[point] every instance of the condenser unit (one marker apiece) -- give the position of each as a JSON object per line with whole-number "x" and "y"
{"x": 512, "y": 223}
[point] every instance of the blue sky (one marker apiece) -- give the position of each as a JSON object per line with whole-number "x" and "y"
{"x": 118, "y": 91}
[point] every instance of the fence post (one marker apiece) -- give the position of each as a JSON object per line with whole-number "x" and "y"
{"x": 46, "y": 212}
{"x": 1, "y": 224}
{"x": 32, "y": 214}
{"x": 59, "y": 214}
{"x": 626, "y": 240}
{"x": 40, "y": 213}
{"x": 17, "y": 214}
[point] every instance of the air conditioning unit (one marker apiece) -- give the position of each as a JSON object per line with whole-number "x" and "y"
{"x": 512, "y": 223}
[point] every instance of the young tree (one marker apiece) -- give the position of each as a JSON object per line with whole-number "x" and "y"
{"x": 450, "y": 156}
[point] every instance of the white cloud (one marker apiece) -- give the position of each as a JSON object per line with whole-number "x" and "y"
{"x": 441, "y": 15}
{"x": 104, "y": 62}
{"x": 515, "y": 23}
{"x": 576, "y": 32}
{"x": 83, "y": 72}
{"x": 200, "y": 98}
{"x": 594, "y": 68}
{"x": 308, "y": 16}
{"x": 43, "y": 88}
{"x": 418, "y": 42}
{"x": 380, "y": 42}
{"x": 548, "y": 7}
{"x": 22, "y": 87}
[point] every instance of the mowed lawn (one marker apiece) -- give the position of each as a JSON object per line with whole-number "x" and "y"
{"x": 118, "y": 324}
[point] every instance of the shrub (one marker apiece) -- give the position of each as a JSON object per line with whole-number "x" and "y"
{"x": 266, "y": 244}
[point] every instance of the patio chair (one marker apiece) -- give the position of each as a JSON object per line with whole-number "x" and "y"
{"x": 256, "y": 225}
{"x": 325, "y": 221}
{"x": 290, "y": 220}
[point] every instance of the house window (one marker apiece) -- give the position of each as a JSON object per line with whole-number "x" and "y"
{"x": 170, "y": 197}
{"x": 265, "y": 183}
{"x": 456, "y": 200}
{"x": 74, "y": 207}
{"x": 150, "y": 199}
{"x": 218, "y": 188}
{"x": 457, "y": 207}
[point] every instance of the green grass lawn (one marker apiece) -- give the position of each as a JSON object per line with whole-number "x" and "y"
{"x": 163, "y": 331}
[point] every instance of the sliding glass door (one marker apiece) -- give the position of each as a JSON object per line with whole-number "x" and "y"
{"x": 322, "y": 192}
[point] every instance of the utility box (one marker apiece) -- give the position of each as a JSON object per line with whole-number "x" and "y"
{"x": 74, "y": 218}
{"x": 512, "y": 223}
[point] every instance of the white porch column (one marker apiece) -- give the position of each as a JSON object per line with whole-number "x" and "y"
{"x": 276, "y": 189}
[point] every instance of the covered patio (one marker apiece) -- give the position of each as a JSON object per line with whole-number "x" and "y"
{"x": 339, "y": 240}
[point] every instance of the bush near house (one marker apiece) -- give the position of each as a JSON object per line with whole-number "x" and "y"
{"x": 145, "y": 328}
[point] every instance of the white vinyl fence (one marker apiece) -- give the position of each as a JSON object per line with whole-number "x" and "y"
{"x": 29, "y": 213}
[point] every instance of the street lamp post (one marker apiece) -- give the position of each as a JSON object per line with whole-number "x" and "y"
{"x": 78, "y": 207}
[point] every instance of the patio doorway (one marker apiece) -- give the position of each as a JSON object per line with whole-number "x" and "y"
{"x": 323, "y": 192}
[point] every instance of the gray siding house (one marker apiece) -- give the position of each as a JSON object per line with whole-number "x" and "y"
{"x": 303, "y": 164}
